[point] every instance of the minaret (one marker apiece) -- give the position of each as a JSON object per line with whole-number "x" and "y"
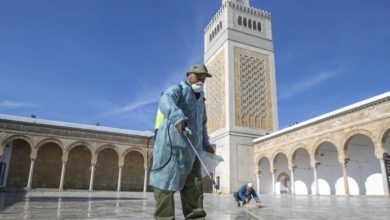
{"x": 241, "y": 95}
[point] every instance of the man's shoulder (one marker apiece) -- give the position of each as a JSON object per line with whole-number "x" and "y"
{"x": 174, "y": 88}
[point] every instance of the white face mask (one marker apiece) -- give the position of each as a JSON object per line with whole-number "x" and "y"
{"x": 197, "y": 87}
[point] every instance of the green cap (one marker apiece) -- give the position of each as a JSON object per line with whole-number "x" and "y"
{"x": 199, "y": 69}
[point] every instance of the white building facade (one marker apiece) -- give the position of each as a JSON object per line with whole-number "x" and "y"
{"x": 344, "y": 152}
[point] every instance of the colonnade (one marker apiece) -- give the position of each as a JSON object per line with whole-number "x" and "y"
{"x": 141, "y": 155}
{"x": 364, "y": 157}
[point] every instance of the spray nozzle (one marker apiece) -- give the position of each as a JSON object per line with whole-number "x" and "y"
{"x": 187, "y": 131}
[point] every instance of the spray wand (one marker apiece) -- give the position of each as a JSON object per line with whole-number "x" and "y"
{"x": 187, "y": 132}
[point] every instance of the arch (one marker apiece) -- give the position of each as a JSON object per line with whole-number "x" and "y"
{"x": 282, "y": 184}
{"x": 321, "y": 141}
{"x": 133, "y": 171}
{"x": 139, "y": 150}
{"x": 362, "y": 163}
{"x": 19, "y": 162}
{"x": 383, "y": 137}
{"x": 48, "y": 164}
{"x": 107, "y": 146}
{"x": 258, "y": 160}
{"x": 265, "y": 175}
{"x": 254, "y": 25}
{"x": 294, "y": 150}
{"x": 250, "y": 23}
{"x": 18, "y": 136}
{"x": 301, "y": 166}
{"x": 77, "y": 171}
{"x": 276, "y": 154}
{"x": 79, "y": 143}
{"x": 106, "y": 169}
{"x": 352, "y": 133}
{"x": 258, "y": 26}
{"x": 244, "y": 22}
{"x": 328, "y": 166}
{"x": 49, "y": 140}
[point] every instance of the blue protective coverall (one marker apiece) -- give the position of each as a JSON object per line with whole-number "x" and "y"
{"x": 178, "y": 103}
{"x": 243, "y": 194}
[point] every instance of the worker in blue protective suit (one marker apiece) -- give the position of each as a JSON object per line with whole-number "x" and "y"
{"x": 245, "y": 194}
{"x": 175, "y": 166}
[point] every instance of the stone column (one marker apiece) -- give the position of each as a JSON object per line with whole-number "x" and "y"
{"x": 345, "y": 175}
{"x": 30, "y": 175}
{"x": 146, "y": 177}
{"x": 92, "y": 177}
{"x": 384, "y": 176}
{"x": 61, "y": 188}
{"x": 1, "y": 151}
{"x": 317, "y": 189}
{"x": 292, "y": 181}
{"x": 118, "y": 189}
{"x": 258, "y": 181}
{"x": 273, "y": 181}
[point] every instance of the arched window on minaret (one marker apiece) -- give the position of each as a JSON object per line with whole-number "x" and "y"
{"x": 254, "y": 24}
{"x": 220, "y": 25}
{"x": 249, "y": 23}
{"x": 259, "y": 26}
{"x": 244, "y": 22}
{"x": 239, "y": 20}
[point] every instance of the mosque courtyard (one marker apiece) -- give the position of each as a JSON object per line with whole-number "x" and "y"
{"x": 137, "y": 205}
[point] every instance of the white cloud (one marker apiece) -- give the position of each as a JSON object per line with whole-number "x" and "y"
{"x": 307, "y": 83}
{"x": 149, "y": 93}
{"x": 12, "y": 104}
{"x": 130, "y": 107}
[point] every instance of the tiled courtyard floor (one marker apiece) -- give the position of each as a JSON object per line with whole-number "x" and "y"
{"x": 134, "y": 205}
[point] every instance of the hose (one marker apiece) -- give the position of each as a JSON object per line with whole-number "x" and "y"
{"x": 170, "y": 155}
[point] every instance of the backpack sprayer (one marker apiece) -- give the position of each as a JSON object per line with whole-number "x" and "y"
{"x": 187, "y": 132}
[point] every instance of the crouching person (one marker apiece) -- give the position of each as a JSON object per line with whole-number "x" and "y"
{"x": 245, "y": 194}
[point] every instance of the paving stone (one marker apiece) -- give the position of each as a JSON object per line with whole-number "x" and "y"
{"x": 138, "y": 205}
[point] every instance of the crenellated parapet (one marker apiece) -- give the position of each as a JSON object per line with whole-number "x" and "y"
{"x": 239, "y": 7}
{"x": 216, "y": 18}
{"x": 249, "y": 10}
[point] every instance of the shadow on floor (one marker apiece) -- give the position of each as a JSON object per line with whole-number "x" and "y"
{"x": 9, "y": 198}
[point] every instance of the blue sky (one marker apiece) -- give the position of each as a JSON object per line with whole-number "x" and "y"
{"x": 108, "y": 60}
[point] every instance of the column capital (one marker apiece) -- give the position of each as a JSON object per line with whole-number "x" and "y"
{"x": 344, "y": 161}
{"x": 93, "y": 160}
{"x": 315, "y": 164}
{"x": 121, "y": 162}
{"x": 65, "y": 156}
{"x": 380, "y": 154}
{"x": 33, "y": 154}
{"x": 292, "y": 167}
